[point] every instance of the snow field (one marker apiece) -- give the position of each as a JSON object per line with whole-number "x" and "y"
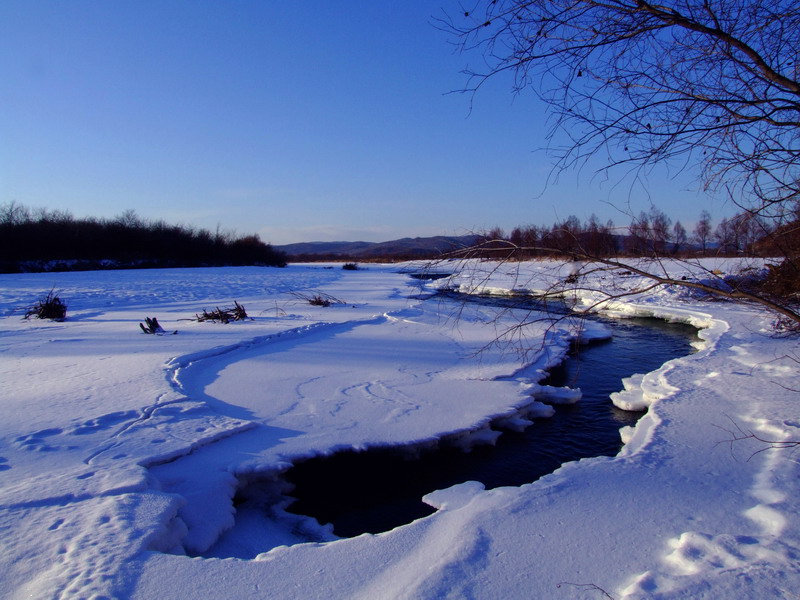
{"x": 120, "y": 451}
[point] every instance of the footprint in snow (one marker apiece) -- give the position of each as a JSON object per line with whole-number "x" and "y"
{"x": 36, "y": 441}
{"x": 103, "y": 422}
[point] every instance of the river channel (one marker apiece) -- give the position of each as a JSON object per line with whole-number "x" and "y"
{"x": 378, "y": 490}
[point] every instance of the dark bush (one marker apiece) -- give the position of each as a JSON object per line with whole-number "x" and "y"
{"x": 784, "y": 278}
{"x": 49, "y": 306}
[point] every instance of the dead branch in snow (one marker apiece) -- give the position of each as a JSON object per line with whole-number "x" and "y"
{"x": 226, "y": 315}
{"x": 587, "y": 586}
{"x": 153, "y": 327}
{"x": 737, "y": 434}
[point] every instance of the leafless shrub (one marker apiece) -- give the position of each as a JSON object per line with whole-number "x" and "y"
{"x": 317, "y": 298}
{"x": 279, "y": 312}
{"x": 49, "y": 306}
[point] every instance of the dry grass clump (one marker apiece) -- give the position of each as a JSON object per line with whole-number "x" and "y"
{"x": 49, "y": 306}
{"x": 317, "y": 298}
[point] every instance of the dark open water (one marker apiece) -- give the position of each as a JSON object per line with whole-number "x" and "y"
{"x": 378, "y": 490}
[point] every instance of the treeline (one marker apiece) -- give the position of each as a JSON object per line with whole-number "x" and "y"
{"x": 649, "y": 233}
{"x": 41, "y": 239}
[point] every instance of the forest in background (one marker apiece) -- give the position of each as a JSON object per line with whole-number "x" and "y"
{"x": 651, "y": 233}
{"x": 52, "y": 240}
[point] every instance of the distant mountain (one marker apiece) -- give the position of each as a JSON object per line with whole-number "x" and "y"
{"x": 313, "y": 248}
{"x": 426, "y": 247}
{"x": 411, "y": 248}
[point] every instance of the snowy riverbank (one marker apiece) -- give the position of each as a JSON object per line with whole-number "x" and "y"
{"x": 120, "y": 452}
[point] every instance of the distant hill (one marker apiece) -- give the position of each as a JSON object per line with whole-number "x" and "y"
{"x": 425, "y": 247}
{"x": 428, "y": 247}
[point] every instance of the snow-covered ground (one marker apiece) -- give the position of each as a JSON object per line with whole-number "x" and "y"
{"x": 120, "y": 452}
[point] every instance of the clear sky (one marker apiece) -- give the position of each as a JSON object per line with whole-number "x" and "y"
{"x": 299, "y": 121}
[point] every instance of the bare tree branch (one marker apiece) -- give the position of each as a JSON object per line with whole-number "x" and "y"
{"x": 591, "y": 262}
{"x": 715, "y": 81}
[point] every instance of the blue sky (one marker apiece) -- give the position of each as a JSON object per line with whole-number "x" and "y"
{"x": 299, "y": 121}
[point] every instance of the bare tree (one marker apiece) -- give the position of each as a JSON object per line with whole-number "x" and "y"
{"x": 14, "y": 213}
{"x": 739, "y": 233}
{"x": 702, "y": 231}
{"x": 709, "y": 82}
{"x": 129, "y": 218}
{"x": 660, "y": 224}
{"x": 649, "y": 232}
{"x": 678, "y": 237}
{"x": 639, "y": 232}
{"x": 598, "y": 238}
{"x": 727, "y": 237}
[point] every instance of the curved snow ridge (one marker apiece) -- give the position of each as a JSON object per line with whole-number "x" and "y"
{"x": 484, "y": 431}
{"x": 643, "y": 391}
{"x": 214, "y": 432}
{"x": 709, "y": 327}
{"x": 488, "y": 290}
{"x": 164, "y": 433}
{"x": 176, "y": 365}
{"x": 178, "y": 424}
{"x": 446, "y": 551}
